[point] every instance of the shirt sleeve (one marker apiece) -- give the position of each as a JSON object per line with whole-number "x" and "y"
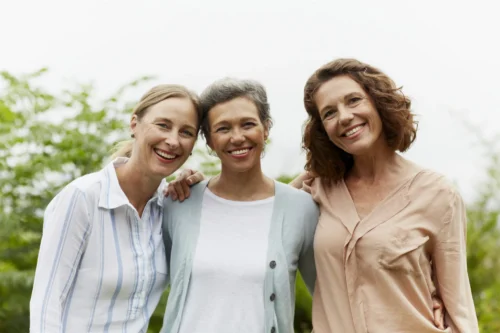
{"x": 166, "y": 230}
{"x": 450, "y": 265}
{"x": 307, "y": 265}
{"x": 66, "y": 228}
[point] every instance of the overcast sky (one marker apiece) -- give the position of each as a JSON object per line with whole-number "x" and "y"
{"x": 444, "y": 52}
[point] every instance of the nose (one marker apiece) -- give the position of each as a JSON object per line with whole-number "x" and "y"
{"x": 237, "y": 137}
{"x": 172, "y": 140}
{"x": 345, "y": 117}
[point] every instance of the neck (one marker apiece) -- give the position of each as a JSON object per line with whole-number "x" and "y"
{"x": 242, "y": 186}
{"x": 137, "y": 186}
{"x": 376, "y": 166}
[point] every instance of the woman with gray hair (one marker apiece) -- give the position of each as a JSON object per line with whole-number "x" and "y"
{"x": 235, "y": 247}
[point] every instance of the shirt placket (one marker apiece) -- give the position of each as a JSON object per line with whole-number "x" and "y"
{"x": 140, "y": 243}
{"x": 351, "y": 269}
{"x": 144, "y": 277}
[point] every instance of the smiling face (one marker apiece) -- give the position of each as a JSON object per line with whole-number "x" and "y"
{"x": 237, "y": 134}
{"x": 165, "y": 136}
{"x": 349, "y": 116}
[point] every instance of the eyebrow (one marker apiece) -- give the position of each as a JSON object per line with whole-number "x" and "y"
{"x": 345, "y": 97}
{"x": 353, "y": 94}
{"x": 227, "y": 122}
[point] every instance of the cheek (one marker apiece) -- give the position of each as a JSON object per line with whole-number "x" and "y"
{"x": 331, "y": 129}
{"x": 218, "y": 141}
{"x": 152, "y": 134}
{"x": 377, "y": 123}
{"x": 188, "y": 144}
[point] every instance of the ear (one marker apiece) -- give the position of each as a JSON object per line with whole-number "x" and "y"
{"x": 266, "y": 131}
{"x": 133, "y": 124}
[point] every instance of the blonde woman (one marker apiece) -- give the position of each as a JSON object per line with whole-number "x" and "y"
{"x": 101, "y": 265}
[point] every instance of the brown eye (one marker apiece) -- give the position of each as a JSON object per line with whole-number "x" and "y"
{"x": 329, "y": 114}
{"x": 354, "y": 100}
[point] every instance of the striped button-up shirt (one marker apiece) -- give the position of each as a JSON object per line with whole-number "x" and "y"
{"x": 101, "y": 267}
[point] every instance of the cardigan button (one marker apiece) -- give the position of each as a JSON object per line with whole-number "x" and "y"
{"x": 272, "y": 264}
{"x": 273, "y": 297}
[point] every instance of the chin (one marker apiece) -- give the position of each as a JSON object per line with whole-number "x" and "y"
{"x": 166, "y": 171}
{"x": 242, "y": 168}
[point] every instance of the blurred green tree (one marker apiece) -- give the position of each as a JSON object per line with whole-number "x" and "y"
{"x": 48, "y": 139}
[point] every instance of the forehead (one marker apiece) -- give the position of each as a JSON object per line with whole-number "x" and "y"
{"x": 332, "y": 91}
{"x": 233, "y": 110}
{"x": 177, "y": 109}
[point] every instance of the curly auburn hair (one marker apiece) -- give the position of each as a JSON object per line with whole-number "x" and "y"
{"x": 323, "y": 158}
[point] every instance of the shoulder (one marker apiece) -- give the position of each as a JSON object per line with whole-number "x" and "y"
{"x": 293, "y": 194}
{"x": 296, "y": 200}
{"x": 195, "y": 197}
{"x": 436, "y": 193}
{"x": 87, "y": 187}
{"x": 432, "y": 184}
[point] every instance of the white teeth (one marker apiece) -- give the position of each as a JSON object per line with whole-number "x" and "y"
{"x": 240, "y": 152}
{"x": 353, "y": 131}
{"x": 165, "y": 155}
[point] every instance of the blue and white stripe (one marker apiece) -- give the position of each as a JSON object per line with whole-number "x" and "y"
{"x": 101, "y": 268}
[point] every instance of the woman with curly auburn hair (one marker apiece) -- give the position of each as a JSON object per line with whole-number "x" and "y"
{"x": 391, "y": 234}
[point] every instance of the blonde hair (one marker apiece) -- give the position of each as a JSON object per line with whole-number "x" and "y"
{"x": 154, "y": 96}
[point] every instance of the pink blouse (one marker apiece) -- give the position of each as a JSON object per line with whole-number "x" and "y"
{"x": 378, "y": 274}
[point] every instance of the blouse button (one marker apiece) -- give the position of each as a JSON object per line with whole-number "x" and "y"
{"x": 272, "y": 264}
{"x": 273, "y": 329}
{"x": 273, "y": 297}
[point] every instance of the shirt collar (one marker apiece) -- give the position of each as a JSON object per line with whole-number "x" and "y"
{"x": 112, "y": 195}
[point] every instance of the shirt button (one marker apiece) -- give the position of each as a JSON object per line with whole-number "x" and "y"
{"x": 272, "y": 264}
{"x": 273, "y": 329}
{"x": 273, "y": 297}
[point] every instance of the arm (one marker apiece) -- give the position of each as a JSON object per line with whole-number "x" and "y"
{"x": 66, "y": 228}
{"x": 450, "y": 268}
{"x": 299, "y": 180}
{"x": 179, "y": 187}
{"x": 307, "y": 266}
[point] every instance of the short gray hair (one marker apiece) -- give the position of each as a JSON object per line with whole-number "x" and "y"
{"x": 227, "y": 89}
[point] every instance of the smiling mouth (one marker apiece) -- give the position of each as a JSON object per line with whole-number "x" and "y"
{"x": 353, "y": 131}
{"x": 165, "y": 155}
{"x": 240, "y": 152}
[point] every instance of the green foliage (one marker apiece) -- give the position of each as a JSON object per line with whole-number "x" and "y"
{"x": 49, "y": 139}
{"x": 45, "y": 141}
{"x": 483, "y": 246}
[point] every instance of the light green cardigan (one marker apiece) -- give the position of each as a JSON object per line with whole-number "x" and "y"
{"x": 294, "y": 219}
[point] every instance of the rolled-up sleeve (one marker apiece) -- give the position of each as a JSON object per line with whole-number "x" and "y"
{"x": 450, "y": 265}
{"x": 66, "y": 228}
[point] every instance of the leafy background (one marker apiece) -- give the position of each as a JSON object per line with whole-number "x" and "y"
{"x": 48, "y": 139}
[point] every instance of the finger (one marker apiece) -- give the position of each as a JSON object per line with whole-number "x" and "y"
{"x": 437, "y": 306}
{"x": 179, "y": 190}
{"x": 195, "y": 178}
{"x": 439, "y": 318}
{"x": 165, "y": 191}
{"x": 185, "y": 190}
{"x": 171, "y": 191}
{"x": 184, "y": 174}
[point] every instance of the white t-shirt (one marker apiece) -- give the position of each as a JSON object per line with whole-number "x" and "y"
{"x": 226, "y": 290}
